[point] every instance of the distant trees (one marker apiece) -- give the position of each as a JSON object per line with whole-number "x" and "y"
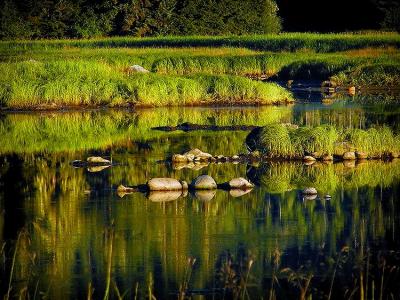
{"x": 91, "y": 18}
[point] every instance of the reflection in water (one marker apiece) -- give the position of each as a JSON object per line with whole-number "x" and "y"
{"x": 77, "y": 235}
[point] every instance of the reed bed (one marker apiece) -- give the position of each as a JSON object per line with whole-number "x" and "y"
{"x": 58, "y": 84}
{"x": 288, "y": 142}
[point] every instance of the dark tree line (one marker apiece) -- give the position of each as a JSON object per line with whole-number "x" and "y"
{"x": 91, "y": 18}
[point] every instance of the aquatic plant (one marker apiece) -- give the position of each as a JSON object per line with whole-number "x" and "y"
{"x": 285, "y": 141}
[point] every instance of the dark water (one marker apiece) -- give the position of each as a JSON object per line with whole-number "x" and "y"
{"x": 75, "y": 234}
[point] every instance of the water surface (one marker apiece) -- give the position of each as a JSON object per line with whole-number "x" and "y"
{"x": 76, "y": 233}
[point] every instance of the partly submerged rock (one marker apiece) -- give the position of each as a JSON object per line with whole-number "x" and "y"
{"x": 310, "y": 191}
{"x": 205, "y": 195}
{"x": 352, "y": 90}
{"x": 192, "y": 155}
{"x": 164, "y": 184}
{"x": 327, "y": 157}
{"x": 179, "y": 158}
{"x": 185, "y": 185}
{"x": 97, "y": 160}
{"x": 240, "y": 183}
{"x": 350, "y": 155}
{"x": 361, "y": 155}
{"x": 204, "y": 182}
{"x": 163, "y": 196}
{"x": 137, "y": 69}
{"x": 197, "y": 153}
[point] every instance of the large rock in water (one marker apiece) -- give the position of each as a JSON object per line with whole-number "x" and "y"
{"x": 240, "y": 183}
{"x": 310, "y": 191}
{"x": 198, "y": 153}
{"x": 97, "y": 160}
{"x": 349, "y": 155}
{"x": 204, "y": 182}
{"x": 164, "y": 184}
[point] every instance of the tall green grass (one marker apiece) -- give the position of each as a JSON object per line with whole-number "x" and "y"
{"x": 273, "y": 42}
{"x": 281, "y": 141}
{"x": 31, "y": 84}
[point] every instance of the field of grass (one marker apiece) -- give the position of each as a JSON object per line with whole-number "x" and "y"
{"x": 273, "y": 42}
{"x": 279, "y": 141}
{"x": 188, "y": 70}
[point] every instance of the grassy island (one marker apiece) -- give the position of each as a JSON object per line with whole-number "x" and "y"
{"x": 194, "y": 70}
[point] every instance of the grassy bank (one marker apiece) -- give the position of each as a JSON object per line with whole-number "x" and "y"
{"x": 188, "y": 70}
{"x": 280, "y": 141}
{"x": 60, "y": 84}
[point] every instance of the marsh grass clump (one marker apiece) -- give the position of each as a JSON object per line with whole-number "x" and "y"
{"x": 70, "y": 83}
{"x": 287, "y": 142}
{"x": 377, "y": 142}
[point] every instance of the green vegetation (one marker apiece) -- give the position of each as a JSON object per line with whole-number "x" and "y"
{"x": 58, "y": 84}
{"x": 282, "y": 141}
{"x": 97, "y": 130}
{"x": 90, "y": 18}
{"x": 281, "y": 177}
{"x": 290, "y": 42}
{"x": 96, "y": 72}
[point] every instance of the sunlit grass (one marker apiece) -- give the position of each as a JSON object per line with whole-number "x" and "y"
{"x": 31, "y": 84}
{"x": 286, "y": 142}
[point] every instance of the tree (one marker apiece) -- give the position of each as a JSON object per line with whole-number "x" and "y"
{"x": 12, "y": 26}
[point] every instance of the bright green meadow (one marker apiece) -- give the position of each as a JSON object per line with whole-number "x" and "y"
{"x": 189, "y": 70}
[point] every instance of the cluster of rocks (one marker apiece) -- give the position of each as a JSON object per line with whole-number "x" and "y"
{"x": 346, "y": 156}
{"x": 330, "y": 86}
{"x": 203, "y": 187}
{"x": 92, "y": 163}
{"x": 196, "y": 159}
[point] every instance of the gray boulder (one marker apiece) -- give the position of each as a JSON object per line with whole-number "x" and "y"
{"x": 240, "y": 183}
{"x": 164, "y": 184}
{"x": 310, "y": 191}
{"x": 204, "y": 182}
{"x": 97, "y": 160}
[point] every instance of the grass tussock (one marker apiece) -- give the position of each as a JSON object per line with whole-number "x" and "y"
{"x": 31, "y": 84}
{"x": 282, "y": 141}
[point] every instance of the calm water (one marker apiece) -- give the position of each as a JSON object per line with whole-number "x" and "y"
{"x": 76, "y": 234}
